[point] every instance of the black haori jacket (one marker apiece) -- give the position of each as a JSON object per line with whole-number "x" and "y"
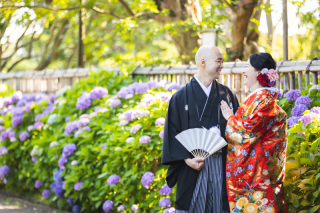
{"x": 182, "y": 115}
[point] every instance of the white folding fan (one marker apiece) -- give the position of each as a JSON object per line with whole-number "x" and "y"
{"x": 201, "y": 142}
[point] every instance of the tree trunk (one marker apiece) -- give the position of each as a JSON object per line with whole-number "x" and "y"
{"x": 269, "y": 24}
{"x": 253, "y": 34}
{"x": 185, "y": 40}
{"x": 243, "y": 12}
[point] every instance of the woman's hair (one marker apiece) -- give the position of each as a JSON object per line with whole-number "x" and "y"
{"x": 262, "y": 60}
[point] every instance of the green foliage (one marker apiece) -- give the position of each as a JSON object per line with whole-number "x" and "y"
{"x": 302, "y": 182}
{"x": 91, "y": 163}
{"x": 5, "y": 90}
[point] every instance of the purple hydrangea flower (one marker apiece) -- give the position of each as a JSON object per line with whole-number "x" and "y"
{"x": 144, "y": 113}
{"x": 315, "y": 110}
{"x": 147, "y": 179}
{"x": 17, "y": 116}
{"x": 1, "y": 128}
{"x": 53, "y": 143}
{"x": 4, "y": 135}
{"x": 3, "y": 150}
{"x": 141, "y": 88}
{"x": 165, "y": 190}
{"x": 83, "y": 101}
{"x": 135, "y": 128}
{"x": 16, "y": 97}
{"x": 75, "y": 209}
{"x": 86, "y": 128}
{"x": 298, "y": 110}
{"x": 134, "y": 208}
{"x": 165, "y": 202}
{"x": 70, "y": 127}
{"x": 306, "y": 119}
{"x": 41, "y": 96}
{"x": 67, "y": 119}
{"x": 293, "y": 94}
{"x": 128, "y": 115}
{"x": 70, "y": 201}
{"x": 305, "y": 100}
{"x": 38, "y": 125}
{"x": 113, "y": 179}
{"x": 98, "y": 92}
{"x": 12, "y": 134}
{"x": 57, "y": 186}
{"x": 122, "y": 93}
{"x": 24, "y": 135}
{"x": 7, "y": 101}
{"x": 63, "y": 160}
{"x": 77, "y": 186}
{"x": 173, "y": 86}
{"x": 250, "y": 167}
{"x": 107, "y": 205}
{"x": 114, "y": 103}
{"x": 38, "y": 184}
{"x": 160, "y": 121}
{"x": 144, "y": 139}
{"x": 121, "y": 208}
{"x": 46, "y": 193}
{"x": 170, "y": 210}
{"x": 34, "y": 159}
{"x": 69, "y": 149}
{"x": 161, "y": 134}
{"x": 4, "y": 170}
{"x": 235, "y": 173}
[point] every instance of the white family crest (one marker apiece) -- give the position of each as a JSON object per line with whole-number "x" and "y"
{"x": 186, "y": 107}
{"x": 230, "y": 105}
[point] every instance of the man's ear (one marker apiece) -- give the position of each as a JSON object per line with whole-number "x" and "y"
{"x": 203, "y": 62}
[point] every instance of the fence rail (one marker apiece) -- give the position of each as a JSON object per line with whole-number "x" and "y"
{"x": 295, "y": 75}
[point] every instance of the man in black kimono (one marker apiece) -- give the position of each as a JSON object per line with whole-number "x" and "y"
{"x": 201, "y": 184}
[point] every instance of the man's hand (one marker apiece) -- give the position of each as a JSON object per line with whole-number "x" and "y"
{"x": 195, "y": 163}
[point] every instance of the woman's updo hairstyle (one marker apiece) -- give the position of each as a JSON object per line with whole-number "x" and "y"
{"x": 262, "y": 60}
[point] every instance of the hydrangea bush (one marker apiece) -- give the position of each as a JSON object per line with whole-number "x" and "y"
{"x": 302, "y": 182}
{"x": 93, "y": 147}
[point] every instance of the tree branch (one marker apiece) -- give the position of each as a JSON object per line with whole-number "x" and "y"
{"x": 98, "y": 10}
{"x": 126, "y": 7}
{"x": 233, "y": 8}
{"x": 13, "y": 7}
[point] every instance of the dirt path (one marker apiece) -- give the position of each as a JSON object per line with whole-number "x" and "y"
{"x": 10, "y": 204}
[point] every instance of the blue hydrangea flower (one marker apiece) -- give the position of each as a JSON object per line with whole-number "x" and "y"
{"x": 243, "y": 152}
{"x": 107, "y": 205}
{"x": 165, "y": 202}
{"x": 305, "y": 100}
{"x": 113, "y": 179}
{"x": 165, "y": 190}
{"x": 52, "y": 118}
{"x": 298, "y": 110}
{"x": 75, "y": 209}
{"x": 4, "y": 170}
{"x": 293, "y": 94}
{"x": 23, "y": 136}
{"x": 228, "y": 174}
{"x": 98, "y": 92}
{"x": 147, "y": 179}
{"x": 77, "y": 186}
{"x": 83, "y": 101}
{"x": 69, "y": 149}
{"x": 38, "y": 184}
{"x": 46, "y": 193}
{"x": 63, "y": 160}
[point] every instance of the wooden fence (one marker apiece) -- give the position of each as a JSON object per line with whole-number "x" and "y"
{"x": 295, "y": 75}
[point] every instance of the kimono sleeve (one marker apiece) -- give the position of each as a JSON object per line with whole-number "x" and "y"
{"x": 248, "y": 126}
{"x": 172, "y": 150}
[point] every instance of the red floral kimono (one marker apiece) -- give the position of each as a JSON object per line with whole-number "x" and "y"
{"x": 257, "y": 137}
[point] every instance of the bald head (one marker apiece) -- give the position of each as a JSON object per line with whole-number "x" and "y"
{"x": 205, "y": 52}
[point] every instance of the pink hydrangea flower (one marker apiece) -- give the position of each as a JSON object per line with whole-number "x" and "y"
{"x": 160, "y": 121}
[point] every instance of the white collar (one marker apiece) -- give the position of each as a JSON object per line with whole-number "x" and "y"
{"x": 204, "y": 88}
{"x": 259, "y": 89}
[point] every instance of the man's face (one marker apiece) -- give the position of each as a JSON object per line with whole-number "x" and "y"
{"x": 214, "y": 65}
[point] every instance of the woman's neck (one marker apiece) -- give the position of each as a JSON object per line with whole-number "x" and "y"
{"x": 255, "y": 86}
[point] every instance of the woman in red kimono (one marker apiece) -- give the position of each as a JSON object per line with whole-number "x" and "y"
{"x": 257, "y": 141}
